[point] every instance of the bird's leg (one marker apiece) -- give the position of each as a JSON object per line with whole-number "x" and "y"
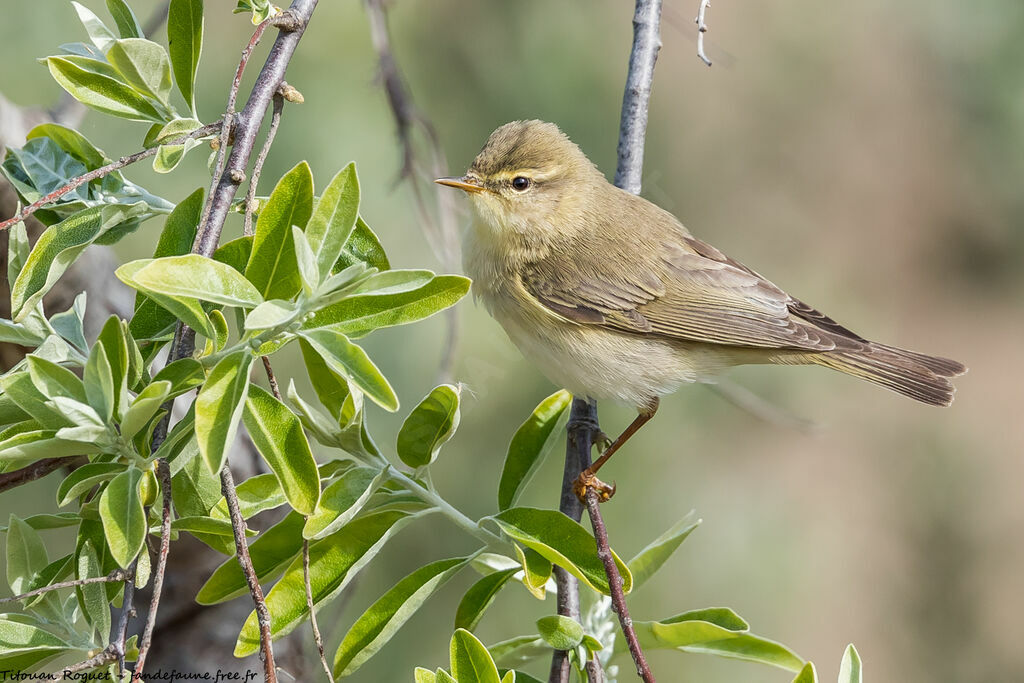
{"x": 588, "y": 477}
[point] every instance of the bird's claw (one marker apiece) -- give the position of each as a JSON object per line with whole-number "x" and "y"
{"x": 588, "y": 480}
{"x": 601, "y": 440}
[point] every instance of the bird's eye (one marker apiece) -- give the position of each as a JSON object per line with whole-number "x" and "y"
{"x": 520, "y": 183}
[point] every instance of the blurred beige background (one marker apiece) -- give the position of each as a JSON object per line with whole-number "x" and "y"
{"x": 868, "y": 157}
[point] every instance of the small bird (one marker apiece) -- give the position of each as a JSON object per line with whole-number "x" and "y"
{"x": 612, "y": 298}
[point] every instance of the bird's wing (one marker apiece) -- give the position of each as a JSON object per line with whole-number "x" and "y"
{"x": 685, "y": 290}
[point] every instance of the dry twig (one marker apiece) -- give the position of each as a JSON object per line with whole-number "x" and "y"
{"x": 702, "y": 28}
{"x": 312, "y": 612}
{"x": 163, "y": 471}
{"x": 116, "y": 575}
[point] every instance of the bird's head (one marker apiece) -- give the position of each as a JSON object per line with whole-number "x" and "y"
{"x": 528, "y": 178}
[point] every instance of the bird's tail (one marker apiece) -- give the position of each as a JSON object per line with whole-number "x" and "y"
{"x": 923, "y": 378}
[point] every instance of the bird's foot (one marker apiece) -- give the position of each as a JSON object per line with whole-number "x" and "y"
{"x": 601, "y": 440}
{"x": 588, "y": 480}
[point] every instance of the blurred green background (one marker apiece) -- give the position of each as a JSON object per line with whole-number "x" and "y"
{"x": 868, "y": 157}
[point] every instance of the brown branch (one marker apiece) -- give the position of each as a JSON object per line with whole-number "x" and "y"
{"x": 104, "y": 170}
{"x": 312, "y": 612}
{"x": 37, "y": 470}
{"x": 116, "y": 575}
{"x": 580, "y": 433}
{"x": 227, "y": 487}
{"x": 442, "y": 234}
{"x": 615, "y": 585}
{"x": 127, "y": 612}
{"x": 163, "y": 471}
{"x": 257, "y": 169}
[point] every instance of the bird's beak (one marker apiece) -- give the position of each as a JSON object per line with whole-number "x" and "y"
{"x": 466, "y": 183}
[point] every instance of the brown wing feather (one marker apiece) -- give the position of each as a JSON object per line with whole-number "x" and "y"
{"x": 686, "y": 290}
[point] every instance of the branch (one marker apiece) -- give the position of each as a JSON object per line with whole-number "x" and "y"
{"x": 163, "y": 471}
{"x": 104, "y": 170}
{"x": 227, "y": 487}
{"x": 127, "y": 612}
{"x": 583, "y": 422}
{"x": 37, "y": 470}
{"x": 442, "y": 234}
{"x": 116, "y": 575}
{"x": 312, "y": 612}
{"x": 257, "y": 169}
{"x": 702, "y": 28}
{"x": 615, "y": 585}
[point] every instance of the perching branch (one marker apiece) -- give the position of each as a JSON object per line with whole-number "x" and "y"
{"x": 227, "y": 487}
{"x": 257, "y": 169}
{"x": 312, "y": 612}
{"x": 163, "y": 472}
{"x": 583, "y": 418}
{"x": 702, "y": 28}
{"x": 442, "y": 234}
{"x": 105, "y": 170}
{"x": 116, "y": 575}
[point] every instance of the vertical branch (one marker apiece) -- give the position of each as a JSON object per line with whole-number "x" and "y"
{"x": 227, "y": 487}
{"x": 628, "y": 176}
{"x": 312, "y": 612}
{"x": 163, "y": 471}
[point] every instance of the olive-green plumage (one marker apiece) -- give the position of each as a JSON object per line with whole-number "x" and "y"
{"x": 613, "y": 298}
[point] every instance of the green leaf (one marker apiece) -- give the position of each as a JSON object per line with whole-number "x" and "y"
{"x": 185, "y": 42}
{"x": 72, "y": 142}
{"x": 271, "y": 552}
{"x": 114, "y": 342}
{"x": 272, "y": 267}
{"x": 649, "y": 560}
{"x": 471, "y": 662}
{"x": 850, "y": 668}
{"x": 351, "y": 361}
{"x": 393, "y": 282}
{"x": 429, "y": 426}
{"x": 124, "y": 520}
{"x": 332, "y": 222}
{"x": 207, "y": 525}
{"x": 331, "y": 388}
{"x": 99, "y": 34}
{"x": 18, "y": 249}
{"x": 519, "y": 650}
{"x": 144, "y": 407}
{"x": 362, "y": 246}
{"x": 179, "y": 232}
{"x": 26, "y": 554}
{"x": 807, "y": 674}
{"x": 563, "y": 542}
{"x": 84, "y": 478}
{"x": 278, "y": 436}
{"x": 342, "y": 500}
{"x": 97, "y": 85}
{"x": 19, "y": 636}
{"x": 187, "y": 309}
{"x": 127, "y": 25}
{"x": 99, "y": 382}
{"x": 421, "y": 675}
{"x": 193, "y": 276}
{"x": 360, "y": 315}
{"x": 375, "y": 627}
{"x": 270, "y": 314}
{"x": 530, "y": 445}
{"x": 219, "y": 407}
{"x": 479, "y": 598}
{"x": 333, "y": 562}
{"x": 53, "y": 380}
{"x": 305, "y": 260}
{"x": 536, "y": 571}
{"x": 44, "y": 521}
{"x": 70, "y": 324}
{"x": 58, "y": 247}
{"x": 93, "y": 597}
{"x": 183, "y": 374}
{"x": 144, "y": 65}
{"x": 718, "y": 632}
{"x": 560, "y": 632}
{"x": 520, "y": 677}
{"x": 169, "y": 156}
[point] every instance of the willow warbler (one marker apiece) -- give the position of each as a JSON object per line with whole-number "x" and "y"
{"x": 612, "y": 298}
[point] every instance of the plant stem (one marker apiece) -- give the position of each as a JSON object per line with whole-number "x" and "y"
{"x": 163, "y": 471}
{"x": 116, "y": 575}
{"x": 312, "y": 611}
{"x": 460, "y": 520}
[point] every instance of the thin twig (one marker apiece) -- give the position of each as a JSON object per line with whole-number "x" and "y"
{"x": 163, "y": 471}
{"x": 702, "y": 28}
{"x": 257, "y": 169}
{"x": 37, "y": 470}
{"x": 312, "y": 612}
{"x": 117, "y": 645}
{"x": 101, "y": 658}
{"x": 104, "y": 170}
{"x": 579, "y": 436}
{"x": 116, "y": 575}
{"x": 615, "y": 585}
{"x": 442, "y": 234}
{"x": 227, "y": 487}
